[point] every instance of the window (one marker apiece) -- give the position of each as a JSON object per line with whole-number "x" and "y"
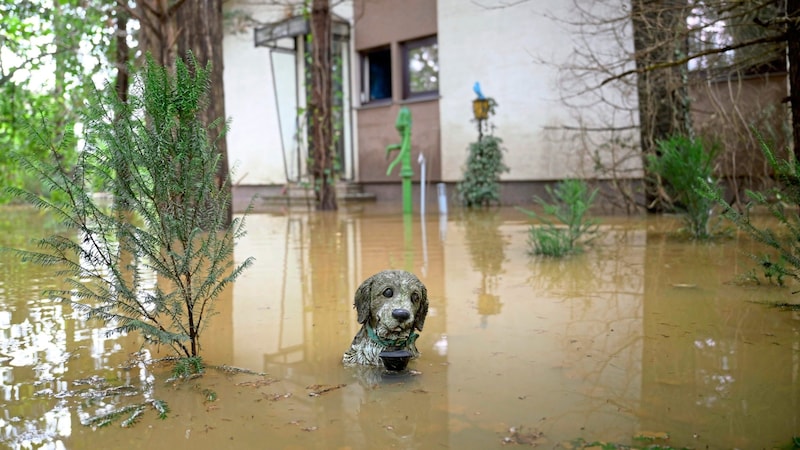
{"x": 420, "y": 67}
{"x": 376, "y": 75}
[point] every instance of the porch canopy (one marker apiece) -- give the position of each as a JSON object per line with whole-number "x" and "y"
{"x": 281, "y": 34}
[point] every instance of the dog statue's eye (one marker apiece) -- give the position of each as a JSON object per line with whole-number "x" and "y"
{"x": 415, "y": 297}
{"x": 388, "y": 293}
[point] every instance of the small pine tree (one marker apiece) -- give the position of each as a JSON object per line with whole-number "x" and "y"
{"x": 686, "y": 165}
{"x": 168, "y": 217}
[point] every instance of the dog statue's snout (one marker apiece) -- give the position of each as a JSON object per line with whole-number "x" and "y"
{"x": 401, "y": 314}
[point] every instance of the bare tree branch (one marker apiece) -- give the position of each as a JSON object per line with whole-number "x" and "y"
{"x": 681, "y": 61}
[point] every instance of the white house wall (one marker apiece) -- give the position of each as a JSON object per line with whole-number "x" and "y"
{"x": 254, "y": 141}
{"x": 499, "y": 46}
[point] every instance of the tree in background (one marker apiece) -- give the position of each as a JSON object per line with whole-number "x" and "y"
{"x": 321, "y": 106}
{"x": 201, "y": 34}
{"x": 50, "y": 51}
{"x": 663, "y": 95}
{"x": 662, "y": 48}
{"x": 169, "y": 29}
{"x": 82, "y": 38}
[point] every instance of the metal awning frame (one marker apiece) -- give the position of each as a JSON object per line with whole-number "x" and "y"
{"x": 270, "y": 34}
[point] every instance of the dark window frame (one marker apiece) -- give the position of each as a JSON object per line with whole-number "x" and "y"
{"x": 406, "y": 47}
{"x": 366, "y": 74}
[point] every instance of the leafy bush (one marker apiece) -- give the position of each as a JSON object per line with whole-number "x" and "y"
{"x": 565, "y": 229}
{"x": 686, "y": 167}
{"x": 168, "y": 220}
{"x": 481, "y": 183}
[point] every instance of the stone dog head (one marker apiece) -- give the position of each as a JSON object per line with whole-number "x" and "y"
{"x": 390, "y": 305}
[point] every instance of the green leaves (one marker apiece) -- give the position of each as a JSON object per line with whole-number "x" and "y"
{"x": 686, "y": 167}
{"x": 167, "y": 221}
{"x": 481, "y": 183}
{"x": 780, "y": 202}
{"x": 49, "y": 53}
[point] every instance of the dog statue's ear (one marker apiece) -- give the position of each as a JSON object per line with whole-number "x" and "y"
{"x": 363, "y": 299}
{"x": 423, "y": 308}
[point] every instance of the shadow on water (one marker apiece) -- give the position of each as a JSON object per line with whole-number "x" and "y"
{"x": 642, "y": 335}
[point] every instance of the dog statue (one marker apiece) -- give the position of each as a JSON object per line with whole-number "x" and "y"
{"x": 390, "y": 306}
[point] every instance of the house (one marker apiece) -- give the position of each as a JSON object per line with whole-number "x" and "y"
{"x": 422, "y": 54}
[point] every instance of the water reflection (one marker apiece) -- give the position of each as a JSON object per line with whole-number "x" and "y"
{"x": 642, "y": 332}
{"x": 44, "y": 346}
{"x": 486, "y": 246}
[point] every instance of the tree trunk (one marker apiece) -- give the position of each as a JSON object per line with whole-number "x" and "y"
{"x": 60, "y": 39}
{"x": 320, "y": 107}
{"x": 158, "y": 29}
{"x": 793, "y": 59}
{"x": 121, "y": 55}
{"x": 659, "y": 36}
{"x": 200, "y": 31}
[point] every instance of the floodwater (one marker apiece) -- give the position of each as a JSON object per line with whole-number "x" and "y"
{"x": 643, "y": 335}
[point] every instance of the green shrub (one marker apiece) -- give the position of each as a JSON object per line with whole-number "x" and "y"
{"x": 686, "y": 167}
{"x": 480, "y": 186}
{"x": 481, "y": 183}
{"x": 565, "y": 229}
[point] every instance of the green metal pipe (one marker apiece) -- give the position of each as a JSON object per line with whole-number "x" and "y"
{"x": 403, "y": 126}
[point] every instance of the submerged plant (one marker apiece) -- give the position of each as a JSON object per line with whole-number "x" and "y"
{"x": 157, "y": 257}
{"x": 187, "y": 367}
{"x": 686, "y": 166}
{"x": 782, "y": 203}
{"x": 565, "y": 229}
{"x": 131, "y": 413}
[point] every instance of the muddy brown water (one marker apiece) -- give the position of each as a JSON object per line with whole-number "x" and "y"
{"x": 644, "y": 334}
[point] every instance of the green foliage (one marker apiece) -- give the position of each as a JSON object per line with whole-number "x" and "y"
{"x": 565, "y": 229}
{"x": 50, "y": 52}
{"x": 686, "y": 167}
{"x": 132, "y": 414}
{"x": 481, "y": 183}
{"x": 155, "y": 260}
{"x": 187, "y": 366}
{"x": 782, "y": 203}
{"x": 773, "y": 271}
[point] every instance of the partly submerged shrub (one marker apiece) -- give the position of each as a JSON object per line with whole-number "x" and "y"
{"x": 565, "y": 227}
{"x": 686, "y": 166}
{"x": 782, "y": 202}
{"x": 155, "y": 259}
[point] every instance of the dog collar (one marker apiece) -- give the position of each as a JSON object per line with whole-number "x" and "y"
{"x": 399, "y": 342}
